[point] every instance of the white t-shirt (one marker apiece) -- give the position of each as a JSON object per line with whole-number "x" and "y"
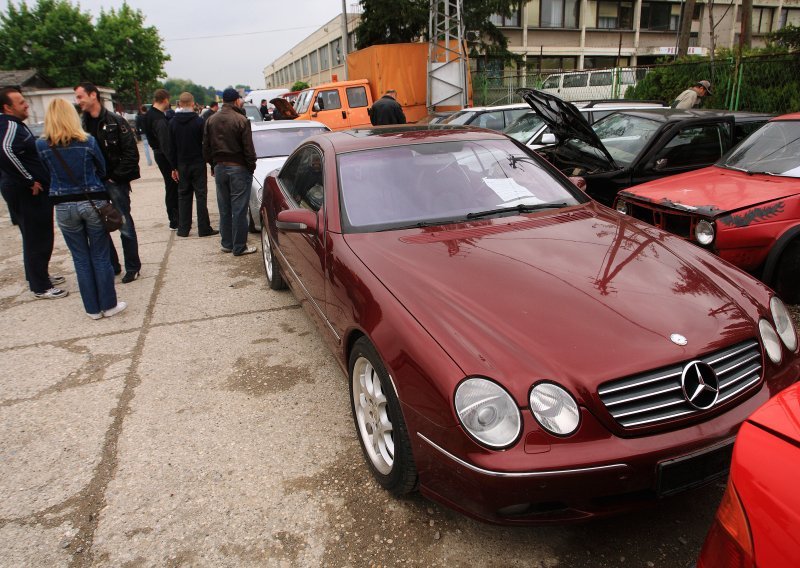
{"x": 687, "y": 99}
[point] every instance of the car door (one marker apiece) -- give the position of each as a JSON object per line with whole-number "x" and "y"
{"x": 357, "y": 104}
{"x": 329, "y": 109}
{"x": 683, "y": 148}
{"x": 302, "y": 181}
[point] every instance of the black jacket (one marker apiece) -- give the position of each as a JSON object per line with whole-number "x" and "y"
{"x": 19, "y": 161}
{"x": 157, "y": 131}
{"x": 118, "y": 145}
{"x": 186, "y": 139}
{"x": 386, "y": 110}
{"x": 228, "y": 138}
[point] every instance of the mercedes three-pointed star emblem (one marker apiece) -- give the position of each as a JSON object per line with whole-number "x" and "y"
{"x": 700, "y": 385}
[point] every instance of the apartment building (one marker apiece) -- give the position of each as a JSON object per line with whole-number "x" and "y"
{"x": 563, "y": 35}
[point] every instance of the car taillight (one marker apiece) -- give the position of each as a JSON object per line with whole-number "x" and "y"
{"x": 728, "y": 543}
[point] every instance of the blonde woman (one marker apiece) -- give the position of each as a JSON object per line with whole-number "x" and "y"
{"x": 76, "y": 169}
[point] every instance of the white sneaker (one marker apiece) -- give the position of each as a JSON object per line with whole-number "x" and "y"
{"x": 51, "y": 294}
{"x": 56, "y": 280}
{"x": 95, "y": 316}
{"x": 115, "y": 310}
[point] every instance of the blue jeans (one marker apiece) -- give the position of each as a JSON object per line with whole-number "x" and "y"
{"x": 233, "y": 197}
{"x": 147, "y": 150}
{"x": 120, "y": 194}
{"x": 89, "y": 242}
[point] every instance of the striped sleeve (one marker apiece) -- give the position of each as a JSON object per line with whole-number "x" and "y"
{"x": 8, "y": 150}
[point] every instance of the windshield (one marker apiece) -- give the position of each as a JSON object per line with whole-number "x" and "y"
{"x": 253, "y": 113}
{"x": 460, "y": 117}
{"x": 623, "y": 135}
{"x": 303, "y": 99}
{"x": 525, "y": 127}
{"x": 773, "y": 149}
{"x": 405, "y": 186}
{"x": 281, "y": 141}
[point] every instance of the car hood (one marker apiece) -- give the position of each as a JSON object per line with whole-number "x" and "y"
{"x": 579, "y": 296}
{"x": 781, "y": 413}
{"x": 714, "y": 191}
{"x": 564, "y": 120}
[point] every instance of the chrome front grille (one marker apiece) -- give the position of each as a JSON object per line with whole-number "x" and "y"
{"x": 657, "y": 396}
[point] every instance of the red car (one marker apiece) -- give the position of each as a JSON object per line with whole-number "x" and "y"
{"x": 758, "y": 522}
{"x": 515, "y": 350}
{"x": 745, "y": 208}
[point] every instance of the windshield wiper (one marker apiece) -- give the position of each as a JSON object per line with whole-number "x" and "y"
{"x": 521, "y": 208}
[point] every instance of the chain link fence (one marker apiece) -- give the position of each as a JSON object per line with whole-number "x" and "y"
{"x": 759, "y": 84}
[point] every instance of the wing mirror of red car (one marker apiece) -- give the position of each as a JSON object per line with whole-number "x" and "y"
{"x": 578, "y": 182}
{"x": 661, "y": 164}
{"x": 297, "y": 221}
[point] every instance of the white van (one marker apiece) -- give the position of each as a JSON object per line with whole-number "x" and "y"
{"x": 593, "y": 84}
{"x": 257, "y": 95}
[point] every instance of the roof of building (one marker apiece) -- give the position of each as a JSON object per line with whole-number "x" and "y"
{"x": 24, "y": 78}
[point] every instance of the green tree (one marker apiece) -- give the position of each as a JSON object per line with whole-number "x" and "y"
{"x": 299, "y": 86}
{"x": 54, "y": 37}
{"x": 131, "y": 53}
{"x": 787, "y": 38}
{"x": 202, "y": 95}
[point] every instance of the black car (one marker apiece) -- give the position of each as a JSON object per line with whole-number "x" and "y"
{"x": 631, "y": 147}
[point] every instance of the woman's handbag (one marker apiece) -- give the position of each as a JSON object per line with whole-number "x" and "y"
{"x": 109, "y": 215}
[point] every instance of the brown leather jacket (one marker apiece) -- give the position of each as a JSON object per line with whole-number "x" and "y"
{"x": 227, "y": 138}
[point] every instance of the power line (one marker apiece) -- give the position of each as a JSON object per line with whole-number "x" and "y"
{"x": 241, "y": 34}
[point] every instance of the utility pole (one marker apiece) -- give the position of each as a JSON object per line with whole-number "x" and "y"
{"x": 344, "y": 36}
{"x": 746, "y": 34}
{"x": 685, "y": 28}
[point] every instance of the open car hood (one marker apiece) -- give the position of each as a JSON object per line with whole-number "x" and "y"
{"x": 564, "y": 120}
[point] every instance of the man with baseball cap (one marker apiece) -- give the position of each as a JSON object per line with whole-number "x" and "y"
{"x": 691, "y": 98}
{"x": 228, "y": 148}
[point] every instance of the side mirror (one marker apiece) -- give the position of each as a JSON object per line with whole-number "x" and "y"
{"x": 297, "y": 221}
{"x": 548, "y": 138}
{"x": 578, "y": 182}
{"x": 661, "y": 164}
{"x": 316, "y": 107}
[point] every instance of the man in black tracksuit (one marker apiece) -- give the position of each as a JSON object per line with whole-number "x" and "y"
{"x": 186, "y": 156}
{"x": 157, "y": 132}
{"x": 24, "y": 185}
{"x": 386, "y": 110}
{"x": 117, "y": 142}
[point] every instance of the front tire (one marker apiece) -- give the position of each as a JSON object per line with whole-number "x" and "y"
{"x": 787, "y": 278}
{"x": 379, "y": 421}
{"x": 273, "y": 272}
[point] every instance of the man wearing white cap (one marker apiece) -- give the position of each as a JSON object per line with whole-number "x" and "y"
{"x": 690, "y": 98}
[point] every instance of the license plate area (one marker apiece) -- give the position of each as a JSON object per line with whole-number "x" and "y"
{"x": 694, "y": 470}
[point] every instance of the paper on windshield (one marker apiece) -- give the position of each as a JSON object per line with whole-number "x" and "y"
{"x": 509, "y": 190}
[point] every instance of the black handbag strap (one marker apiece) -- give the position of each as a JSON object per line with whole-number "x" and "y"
{"x": 72, "y": 177}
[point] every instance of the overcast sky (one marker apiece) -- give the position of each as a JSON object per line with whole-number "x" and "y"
{"x": 222, "y": 43}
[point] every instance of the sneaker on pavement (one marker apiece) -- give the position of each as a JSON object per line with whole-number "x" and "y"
{"x": 130, "y": 277}
{"x": 56, "y": 280}
{"x": 115, "y": 310}
{"x": 223, "y": 249}
{"x": 211, "y": 234}
{"x": 95, "y": 316}
{"x": 248, "y": 250}
{"x": 51, "y": 294}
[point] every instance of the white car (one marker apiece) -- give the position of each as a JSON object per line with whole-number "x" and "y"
{"x": 274, "y": 141}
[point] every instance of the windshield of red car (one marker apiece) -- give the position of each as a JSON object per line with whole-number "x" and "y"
{"x": 773, "y": 149}
{"x": 405, "y": 186}
{"x": 281, "y": 141}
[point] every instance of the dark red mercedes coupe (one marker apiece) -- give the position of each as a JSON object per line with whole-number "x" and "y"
{"x": 515, "y": 350}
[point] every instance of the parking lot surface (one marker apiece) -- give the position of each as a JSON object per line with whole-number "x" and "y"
{"x": 207, "y": 425}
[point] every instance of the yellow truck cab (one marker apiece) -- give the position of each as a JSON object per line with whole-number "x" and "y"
{"x": 339, "y": 105}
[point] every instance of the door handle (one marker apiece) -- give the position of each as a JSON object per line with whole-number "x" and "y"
{"x": 344, "y": 114}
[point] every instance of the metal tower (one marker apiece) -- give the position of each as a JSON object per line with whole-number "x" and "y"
{"x": 447, "y": 60}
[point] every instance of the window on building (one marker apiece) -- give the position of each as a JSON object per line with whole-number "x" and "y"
{"x": 336, "y": 52}
{"x": 600, "y": 62}
{"x": 614, "y": 15}
{"x": 790, "y": 17}
{"x": 762, "y": 20}
{"x": 324, "y": 58}
{"x": 559, "y": 14}
{"x": 512, "y": 21}
{"x": 313, "y": 62}
{"x": 660, "y": 16}
{"x": 298, "y": 70}
{"x": 351, "y": 42}
{"x": 534, "y": 64}
{"x": 305, "y": 66}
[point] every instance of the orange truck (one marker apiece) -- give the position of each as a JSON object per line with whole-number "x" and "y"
{"x": 374, "y": 70}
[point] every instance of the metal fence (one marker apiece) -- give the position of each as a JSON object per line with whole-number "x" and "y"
{"x": 760, "y": 84}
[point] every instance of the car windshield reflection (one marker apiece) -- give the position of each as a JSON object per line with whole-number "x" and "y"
{"x": 418, "y": 185}
{"x": 774, "y": 149}
{"x": 624, "y": 136}
{"x": 525, "y": 127}
{"x": 281, "y": 141}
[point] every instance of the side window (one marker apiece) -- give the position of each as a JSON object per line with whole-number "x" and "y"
{"x": 302, "y": 178}
{"x": 693, "y": 146}
{"x": 551, "y": 82}
{"x": 578, "y": 80}
{"x": 597, "y": 115}
{"x": 356, "y": 97}
{"x": 600, "y": 79}
{"x": 329, "y": 100}
{"x": 491, "y": 120}
{"x": 744, "y": 129}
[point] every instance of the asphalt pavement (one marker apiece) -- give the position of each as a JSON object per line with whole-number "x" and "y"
{"x": 207, "y": 425}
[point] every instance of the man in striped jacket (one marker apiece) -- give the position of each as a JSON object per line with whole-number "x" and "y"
{"x": 24, "y": 187}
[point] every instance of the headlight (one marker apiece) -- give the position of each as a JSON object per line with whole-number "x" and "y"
{"x": 771, "y": 342}
{"x": 555, "y": 409}
{"x": 704, "y": 232}
{"x": 488, "y": 412}
{"x": 783, "y": 323}
{"x": 621, "y": 206}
